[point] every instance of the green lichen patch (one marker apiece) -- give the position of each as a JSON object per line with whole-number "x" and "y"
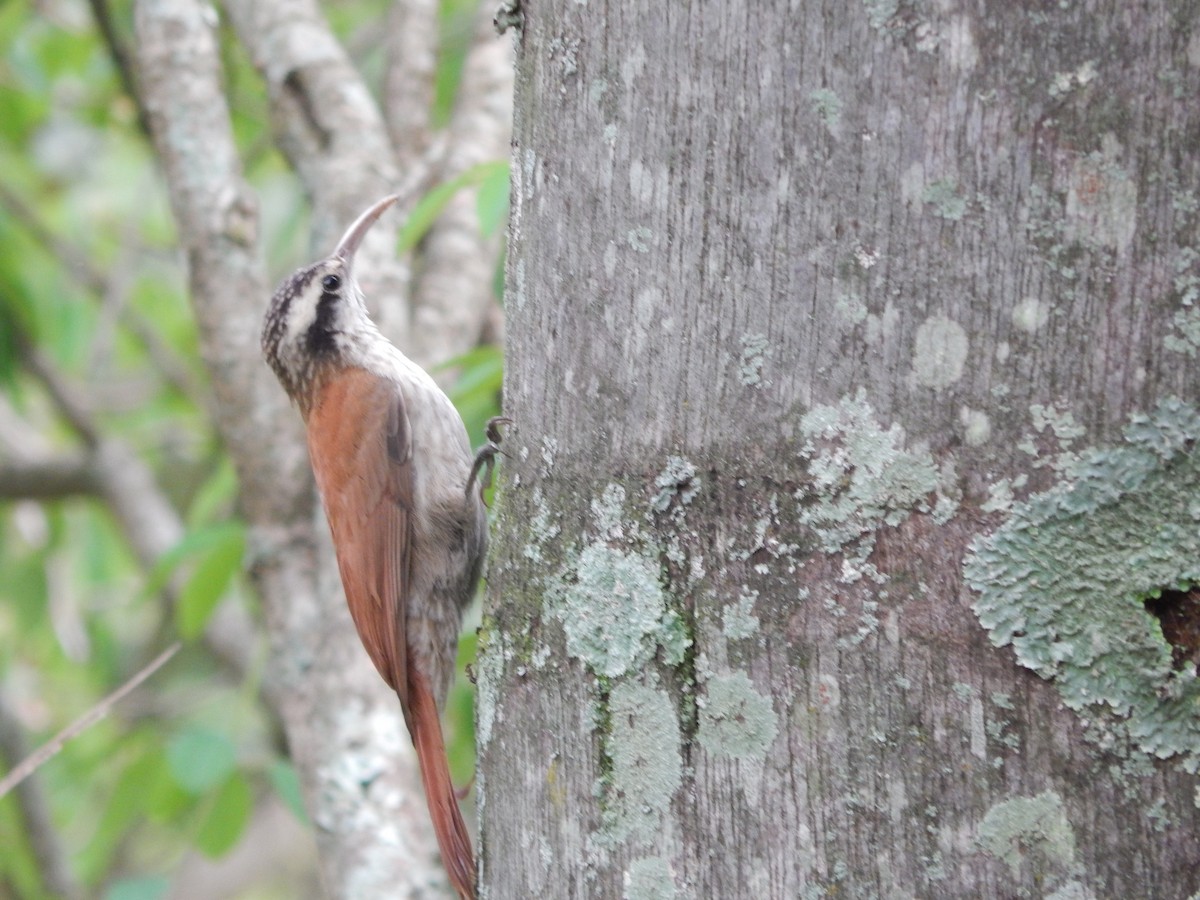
{"x": 755, "y": 350}
{"x": 828, "y": 107}
{"x": 940, "y": 350}
{"x": 738, "y": 619}
{"x": 735, "y": 719}
{"x": 1028, "y": 826}
{"x": 943, "y": 196}
{"x": 649, "y": 879}
{"x": 610, "y": 599}
{"x": 1064, "y": 579}
{"x": 678, "y": 479}
{"x": 1185, "y": 338}
{"x": 647, "y": 765}
{"x": 611, "y": 608}
{"x": 489, "y": 672}
{"x": 862, "y": 476}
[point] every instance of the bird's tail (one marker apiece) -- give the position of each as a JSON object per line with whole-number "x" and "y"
{"x": 425, "y": 726}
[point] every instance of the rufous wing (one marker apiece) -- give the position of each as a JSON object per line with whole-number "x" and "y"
{"x": 361, "y": 452}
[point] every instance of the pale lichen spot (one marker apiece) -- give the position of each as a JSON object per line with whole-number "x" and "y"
{"x": 633, "y": 63}
{"x": 828, "y": 108}
{"x": 755, "y": 350}
{"x": 880, "y": 12}
{"x": 677, "y": 481}
{"x": 1030, "y": 314}
{"x": 735, "y": 719}
{"x": 489, "y": 671}
{"x": 640, "y": 183}
{"x": 639, "y": 238}
{"x": 613, "y": 605}
{"x": 977, "y": 427}
{"x": 912, "y": 184}
{"x": 1185, "y": 338}
{"x": 1014, "y": 829}
{"x": 1065, "y": 82}
{"x": 738, "y": 619}
{"x": 647, "y": 765}
{"x": 518, "y": 293}
{"x": 939, "y": 353}
{"x": 945, "y": 199}
{"x": 861, "y": 477}
{"x": 649, "y": 878}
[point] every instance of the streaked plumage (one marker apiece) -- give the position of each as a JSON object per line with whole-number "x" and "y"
{"x": 392, "y": 463}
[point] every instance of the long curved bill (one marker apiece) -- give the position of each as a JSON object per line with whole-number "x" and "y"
{"x": 354, "y": 234}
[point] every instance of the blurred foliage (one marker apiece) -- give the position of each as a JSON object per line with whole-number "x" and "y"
{"x": 91, "y": 283}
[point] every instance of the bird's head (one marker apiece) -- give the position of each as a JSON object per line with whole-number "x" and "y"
{"x": 318, "y": 315}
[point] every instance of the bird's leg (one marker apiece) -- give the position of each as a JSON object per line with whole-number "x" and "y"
{"x": 485, "y": 456}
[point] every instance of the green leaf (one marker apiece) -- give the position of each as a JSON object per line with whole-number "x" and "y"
{"x": 214, "y": 495}
{"x": 476, "y": 392}
{"x": 124, "y": 805}
{"x": 287, "y": 784}
{"x": 200, "y": 758}
{"x": 225, "y": 821}
{"x": 143, "y": 887}
{"x": 19, "y": 865}
{"x": 193, "y": 544}
{"x": 427, "y": 210}
{"x": 492, "y": 201}
{"x": 212, "y": 575}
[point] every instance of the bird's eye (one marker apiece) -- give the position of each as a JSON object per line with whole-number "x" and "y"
{"x": 331, "y": 282}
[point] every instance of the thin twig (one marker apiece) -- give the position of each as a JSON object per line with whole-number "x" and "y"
{"x": 48, "y": 750}
{"x": 64, "y": 394}
{"x": 120, "y": 58}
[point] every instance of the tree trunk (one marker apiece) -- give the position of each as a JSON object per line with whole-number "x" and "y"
{"x": 852, "y": 355}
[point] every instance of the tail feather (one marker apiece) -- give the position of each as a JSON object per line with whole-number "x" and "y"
{"x": 425, "y": 726}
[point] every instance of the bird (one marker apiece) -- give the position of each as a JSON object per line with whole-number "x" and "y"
{"x": 398, "y": 482}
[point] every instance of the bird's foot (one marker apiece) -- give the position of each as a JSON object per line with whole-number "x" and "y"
{"x": 485, "y": 456}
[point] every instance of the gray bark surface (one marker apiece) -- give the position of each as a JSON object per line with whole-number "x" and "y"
{"x": 852, "y": 355}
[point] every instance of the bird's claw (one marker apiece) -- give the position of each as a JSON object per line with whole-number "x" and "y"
{"x": 485, "y": 456}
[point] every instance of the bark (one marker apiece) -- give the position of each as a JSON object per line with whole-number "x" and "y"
{"x": 852, "y": 351}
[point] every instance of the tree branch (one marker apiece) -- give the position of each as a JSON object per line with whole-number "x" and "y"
{"x": 327, "y": 122}
{"x": 334, "y": 135}
{"x": 56, "y": 478}
{"x": 454, "y": 295}
{"x": 103, "y": 17}
{"x": 343, "y": 731}
{"x": 408, "y": 78}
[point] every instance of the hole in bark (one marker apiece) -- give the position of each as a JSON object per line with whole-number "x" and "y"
{"x": 1178, "y": 614}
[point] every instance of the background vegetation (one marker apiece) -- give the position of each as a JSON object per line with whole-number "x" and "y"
{"x": 99, "y": 361}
